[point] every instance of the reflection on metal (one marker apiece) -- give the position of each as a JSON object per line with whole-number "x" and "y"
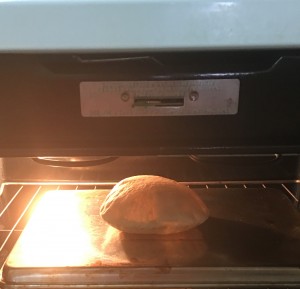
{"x": 55, "y": 235}
{"x": 66, "y": 230}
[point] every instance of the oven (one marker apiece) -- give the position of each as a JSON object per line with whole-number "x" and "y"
{"x": 205, "y": 99}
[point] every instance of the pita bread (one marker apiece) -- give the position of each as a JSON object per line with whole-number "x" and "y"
{"x": 153, "y": 205}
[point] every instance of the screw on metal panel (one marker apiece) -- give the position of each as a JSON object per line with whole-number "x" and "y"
{"x": 125, "y": 96}
{"x": 194, "y": 95}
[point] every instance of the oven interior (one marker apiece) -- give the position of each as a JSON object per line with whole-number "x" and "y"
{"x": 244, "y": 165}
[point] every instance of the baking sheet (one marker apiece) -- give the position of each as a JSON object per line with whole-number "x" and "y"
{"x": 66, "y": 241}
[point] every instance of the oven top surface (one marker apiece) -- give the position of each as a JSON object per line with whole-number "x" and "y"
{"x": 123, "y": 25}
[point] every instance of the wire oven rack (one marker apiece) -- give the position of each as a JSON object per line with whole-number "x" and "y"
{"x": 17, "y": 199}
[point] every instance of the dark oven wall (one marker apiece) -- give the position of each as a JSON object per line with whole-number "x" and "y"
{"x": 40, "y": 112}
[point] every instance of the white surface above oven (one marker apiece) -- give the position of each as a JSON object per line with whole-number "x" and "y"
{"x": 139, "y": 25}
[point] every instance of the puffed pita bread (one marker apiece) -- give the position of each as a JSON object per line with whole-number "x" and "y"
{"x": 153, "y": 205}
